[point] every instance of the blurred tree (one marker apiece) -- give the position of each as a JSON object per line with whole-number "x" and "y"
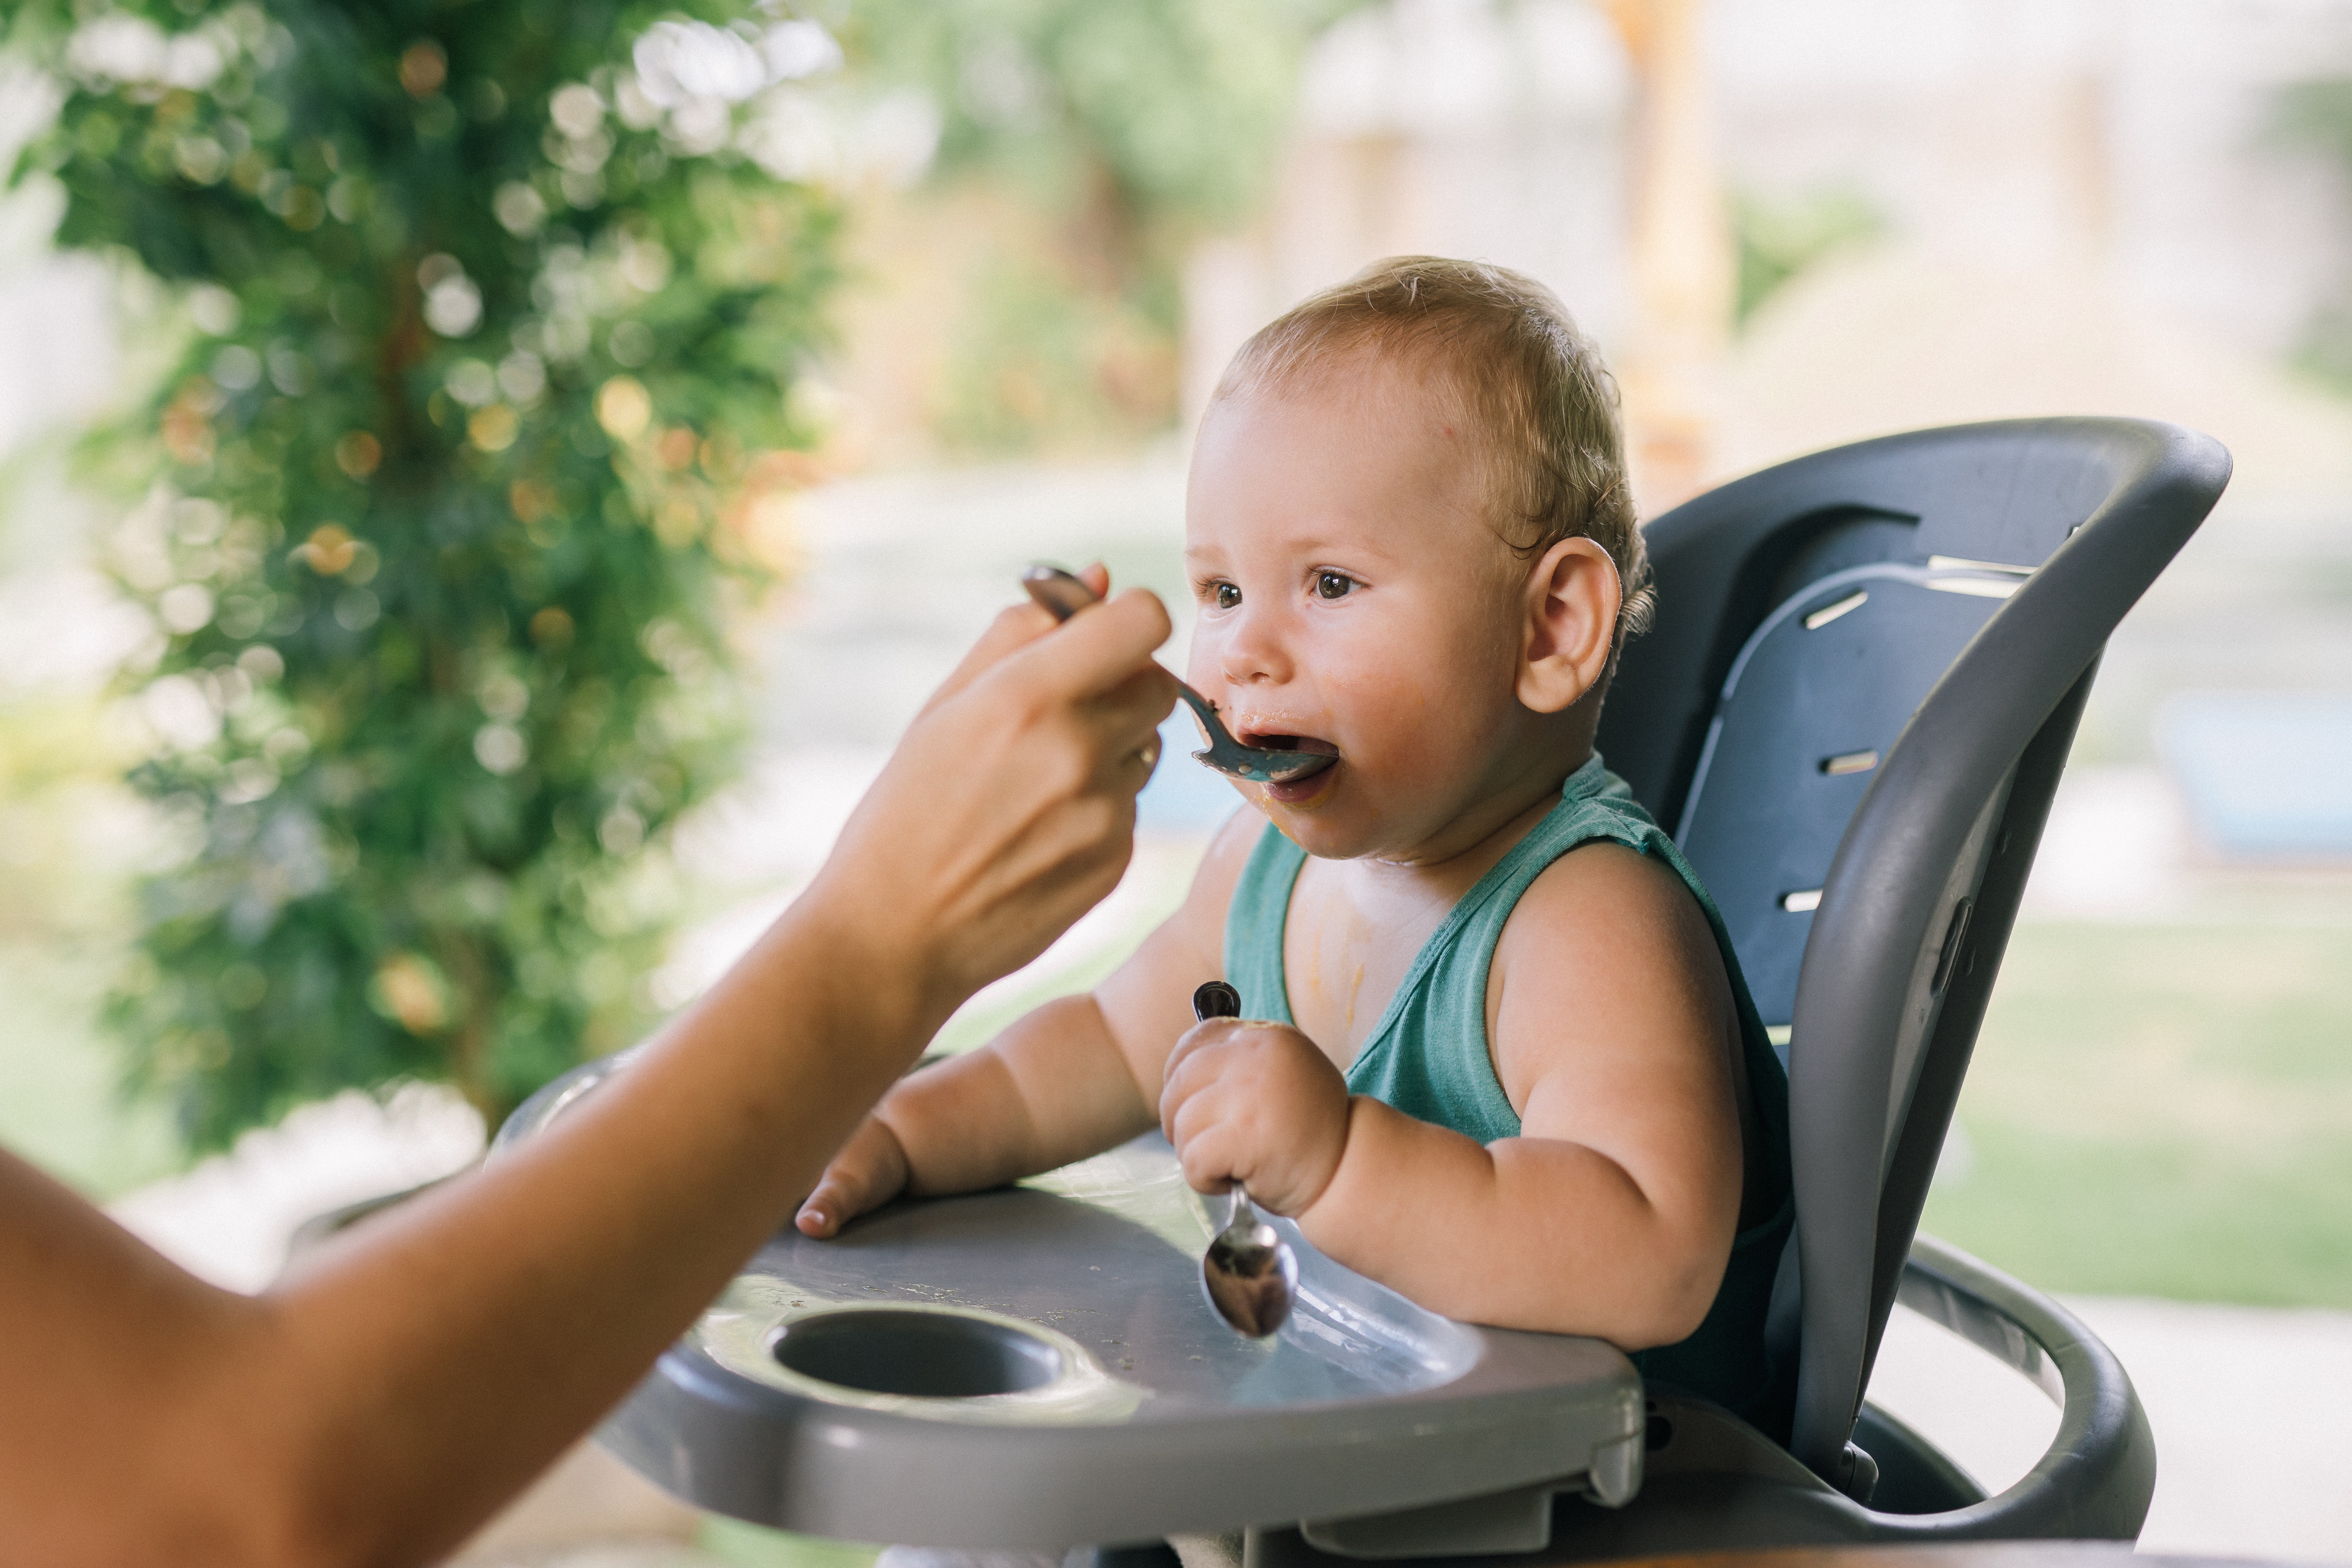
{"x": 1122, "y": 132}
{"x": 490, "y": 328}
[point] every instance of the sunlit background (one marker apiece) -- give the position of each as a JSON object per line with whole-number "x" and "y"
{"x": 1009, "y": 245}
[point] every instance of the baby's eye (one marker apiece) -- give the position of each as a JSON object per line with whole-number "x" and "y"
{"x": 1225, "y": 596}
{"x": 1333, "y": 584}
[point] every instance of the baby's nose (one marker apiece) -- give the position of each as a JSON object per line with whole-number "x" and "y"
{"x": 1251, "y": 651}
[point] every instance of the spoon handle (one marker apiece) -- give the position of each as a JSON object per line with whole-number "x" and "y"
{"x": 1207, "y": 710}
{"x": 1242, "y": 1214}
{"x": 1215, "y": 999}
{"x": 1058, "y": 592}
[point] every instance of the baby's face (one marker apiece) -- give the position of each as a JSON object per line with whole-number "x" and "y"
{"x": 1353, "y": 599}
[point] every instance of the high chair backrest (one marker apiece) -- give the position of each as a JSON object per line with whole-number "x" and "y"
{"x": 1853, "y": 709}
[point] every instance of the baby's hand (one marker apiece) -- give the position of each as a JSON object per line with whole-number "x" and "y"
{"x": 870, "y": 1170}
{"x": 1257, "y": 1104}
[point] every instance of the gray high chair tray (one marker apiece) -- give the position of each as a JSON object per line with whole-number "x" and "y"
{"x": 1036, "y": 1367}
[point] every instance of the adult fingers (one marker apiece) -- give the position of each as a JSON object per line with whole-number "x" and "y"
{"x": 1016, "y": 626}
{"x": 1097, "y": 650}
{"x": 1117, "y": 731}
{"x": 1094, "y": 677}
{"x": 1008, "y": 809}
{"x": 1093, "y": 681}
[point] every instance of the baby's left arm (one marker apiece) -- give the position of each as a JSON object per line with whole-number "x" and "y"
{"x": 1613, "y": 1214}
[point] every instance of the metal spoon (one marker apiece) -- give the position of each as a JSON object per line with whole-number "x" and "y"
{"x": 1063, "y": 595}
{"x": 1249, "y": 1273}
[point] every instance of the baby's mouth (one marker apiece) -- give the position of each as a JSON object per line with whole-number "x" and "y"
{"x": 1277, "y": 740}
{"x": 1296, "y": 792}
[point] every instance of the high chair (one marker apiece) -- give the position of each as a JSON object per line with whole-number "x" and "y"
{"x": 1853, "y": 710}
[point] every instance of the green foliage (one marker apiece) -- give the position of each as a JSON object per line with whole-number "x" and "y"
{"x": 1778, "y": 239}
{"x": 477, "y": 418}
{"x": 1125, "y": 132}
{"x": 2315, "y": 114}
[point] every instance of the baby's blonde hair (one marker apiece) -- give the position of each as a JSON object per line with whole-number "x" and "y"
{"x": 1505, "y": 348}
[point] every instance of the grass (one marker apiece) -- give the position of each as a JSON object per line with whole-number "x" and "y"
{"x": 2163, "y": 1111}
{"x": 752, "y": 1546}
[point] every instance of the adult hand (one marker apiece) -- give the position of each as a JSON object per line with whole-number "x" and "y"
{"x": 1046, "y": 733}
{"x": 1258, "y": 1104}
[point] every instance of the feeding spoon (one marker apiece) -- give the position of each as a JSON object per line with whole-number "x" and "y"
{"x": 1063, "y": 595}
{"x": 1249, "y": 1273}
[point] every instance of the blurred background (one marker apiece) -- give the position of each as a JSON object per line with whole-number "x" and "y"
{"x": 482, "y": 488}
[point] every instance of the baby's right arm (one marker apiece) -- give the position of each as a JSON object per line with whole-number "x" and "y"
{"x": 1070, "y": 1079}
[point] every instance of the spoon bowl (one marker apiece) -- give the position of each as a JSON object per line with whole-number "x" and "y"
{"x": 1063, "y": 595}
{"x": 1249, "y": 1273}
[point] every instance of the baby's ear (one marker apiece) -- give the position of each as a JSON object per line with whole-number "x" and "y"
{"x": 1571, "y": 601}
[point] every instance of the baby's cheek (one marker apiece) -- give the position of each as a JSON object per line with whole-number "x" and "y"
{"x": 1369, "y": 683}
{"x": 1391, "y": 711}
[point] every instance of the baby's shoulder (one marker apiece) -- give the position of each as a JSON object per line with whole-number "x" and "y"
{"x": 1606, "y": 902}
{"x": 1608, "y": 958}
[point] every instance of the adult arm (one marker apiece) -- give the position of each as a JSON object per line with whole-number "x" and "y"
{"x": 381, "y": 1404}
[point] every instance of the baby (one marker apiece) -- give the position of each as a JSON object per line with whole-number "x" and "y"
{"x": 1501, "y": 1059}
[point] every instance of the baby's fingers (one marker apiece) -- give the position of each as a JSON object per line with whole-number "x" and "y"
{"x": 840, "y": 1197}
{"x": 1206, "y": 1145}
{"x": 1193, "y": 1064}
{"x": 869, "y": 1172}
{"x": 1197, "y": 1114}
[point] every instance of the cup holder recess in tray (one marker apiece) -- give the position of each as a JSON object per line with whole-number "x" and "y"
{"x": 922, "y": 1355}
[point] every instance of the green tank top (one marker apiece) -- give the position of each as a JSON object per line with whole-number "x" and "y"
{"x": 1428, "y": 1058}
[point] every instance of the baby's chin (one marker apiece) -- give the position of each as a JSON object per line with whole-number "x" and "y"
{"x": 1329, "y": 823}
{"x": 1359, "y": 817}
